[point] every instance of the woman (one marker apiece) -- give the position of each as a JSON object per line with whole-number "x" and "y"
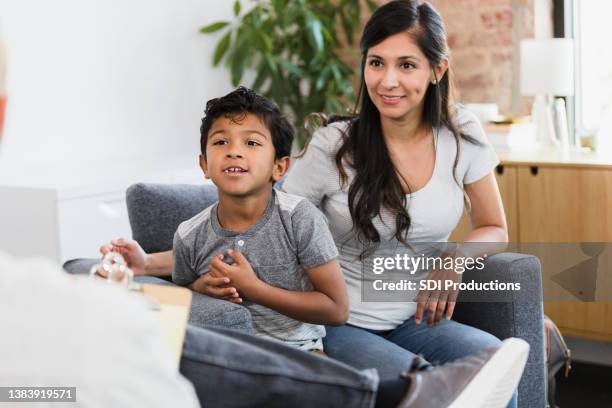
{"x": 395, "y": 173}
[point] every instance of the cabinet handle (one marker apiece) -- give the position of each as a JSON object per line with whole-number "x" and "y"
{"x": 500, "y": 169}
{"x": 534, "y": 170}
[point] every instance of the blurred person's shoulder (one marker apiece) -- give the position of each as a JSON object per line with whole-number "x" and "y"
{"x": 39, "y": 278}
{"x": 68, "y": 330}
{"x": 40, "y": 298}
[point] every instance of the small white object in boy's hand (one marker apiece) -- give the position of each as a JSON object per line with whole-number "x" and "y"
{"x": 114, "y": 268}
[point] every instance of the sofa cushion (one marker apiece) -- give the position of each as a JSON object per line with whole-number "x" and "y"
{"x": 156, "y": 210}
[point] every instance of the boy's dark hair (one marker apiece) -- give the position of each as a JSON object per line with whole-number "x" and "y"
{"x": 236, "y": 105}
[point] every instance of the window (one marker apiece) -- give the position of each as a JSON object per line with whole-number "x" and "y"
{"x": 593, "y": 104}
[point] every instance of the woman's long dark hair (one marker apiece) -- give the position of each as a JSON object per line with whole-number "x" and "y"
{"x": 377, "y": 183}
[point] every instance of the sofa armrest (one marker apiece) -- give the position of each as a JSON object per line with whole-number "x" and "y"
{"x": 205, "y": 310}
{"x": 520, "y": 315}
{"x": 80, "y": 266}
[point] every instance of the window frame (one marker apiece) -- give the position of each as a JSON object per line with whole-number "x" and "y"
{"x": 564, "y": 24}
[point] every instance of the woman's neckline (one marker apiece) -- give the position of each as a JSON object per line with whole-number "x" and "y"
{"x": 435, "y": 133}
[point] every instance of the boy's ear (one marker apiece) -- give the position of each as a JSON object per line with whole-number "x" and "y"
{"x": 281, "y": 166}
{"x": 204, "y": 166}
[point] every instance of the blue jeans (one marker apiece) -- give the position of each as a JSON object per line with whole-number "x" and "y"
{"x": 234, "y": 369}
{"x": 392, "y": 351}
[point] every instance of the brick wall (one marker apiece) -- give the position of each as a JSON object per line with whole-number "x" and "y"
{"x": 484, "y": 38}
{"x": 482, "y": 43}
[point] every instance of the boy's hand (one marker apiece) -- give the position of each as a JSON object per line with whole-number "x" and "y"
{"x": 241, "y": 274}
{"x": 131, "y": 251}
{"x": 215, "y": 285}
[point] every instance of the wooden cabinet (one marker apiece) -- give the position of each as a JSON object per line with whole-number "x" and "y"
{"x": 559, "y": 202}
{"x": 565, "y": 204}
{"x": 569, "y": 204}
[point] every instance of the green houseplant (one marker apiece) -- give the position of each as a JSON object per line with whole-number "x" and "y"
{"x": 294, "y": 47}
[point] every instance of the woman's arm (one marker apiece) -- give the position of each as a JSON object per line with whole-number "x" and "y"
{"x": 487, "y": 218}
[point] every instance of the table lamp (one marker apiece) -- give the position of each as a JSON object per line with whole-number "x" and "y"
{"x": 547, "y": 70}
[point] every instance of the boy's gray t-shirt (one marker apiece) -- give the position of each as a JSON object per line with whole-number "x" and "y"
{"x": 291, "y": 236}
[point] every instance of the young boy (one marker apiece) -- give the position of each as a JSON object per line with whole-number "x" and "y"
{"x": 273, "y": 247}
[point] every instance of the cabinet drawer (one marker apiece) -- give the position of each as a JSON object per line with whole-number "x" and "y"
{"x": 564, "y": 204}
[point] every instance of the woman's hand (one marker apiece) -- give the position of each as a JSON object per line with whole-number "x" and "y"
{"x": 439, "y": 301}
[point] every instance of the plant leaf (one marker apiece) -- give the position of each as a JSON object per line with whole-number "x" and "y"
{"x": 238, "y": 62}
{"x": 320, "y": 83}
{"x": 237, "y": 8}
{"x": 256, "y": 18}
{"x": 265, "y": 42}
{"x": 211, "y": 28}
{"x": 290, "y": 67}
{"x": 262, "y": 75}
{"x": 221, "y": 48}
{"x": 278, "y": 6}
{"x": 271, "y": 63}
{"x": 314, "y": 26}
{"x": 336, "y": 73}
{"x": 349, "y": 29}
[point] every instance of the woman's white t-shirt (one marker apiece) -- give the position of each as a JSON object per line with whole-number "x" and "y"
{"x": 434, "y": 210}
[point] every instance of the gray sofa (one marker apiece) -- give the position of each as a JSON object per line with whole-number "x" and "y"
{"x": 156, "y": 210}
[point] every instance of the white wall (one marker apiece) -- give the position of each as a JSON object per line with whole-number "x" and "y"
{"x": 96, "y": 81}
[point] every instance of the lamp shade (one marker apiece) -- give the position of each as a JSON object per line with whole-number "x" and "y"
{"x": 547, "y": 67}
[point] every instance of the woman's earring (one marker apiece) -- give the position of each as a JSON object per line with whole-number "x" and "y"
{"x": 434, "y": 82}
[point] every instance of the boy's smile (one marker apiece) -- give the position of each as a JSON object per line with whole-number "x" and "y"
{"x": 235, "y": 171}
{"x": 240, "y": 156}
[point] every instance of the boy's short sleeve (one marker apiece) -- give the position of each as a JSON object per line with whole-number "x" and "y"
{"x": 481, "y": 159}
{"x": 315, "y": 244}
{"x": 182, "y": 273}
{"x": 315, "y": 174}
